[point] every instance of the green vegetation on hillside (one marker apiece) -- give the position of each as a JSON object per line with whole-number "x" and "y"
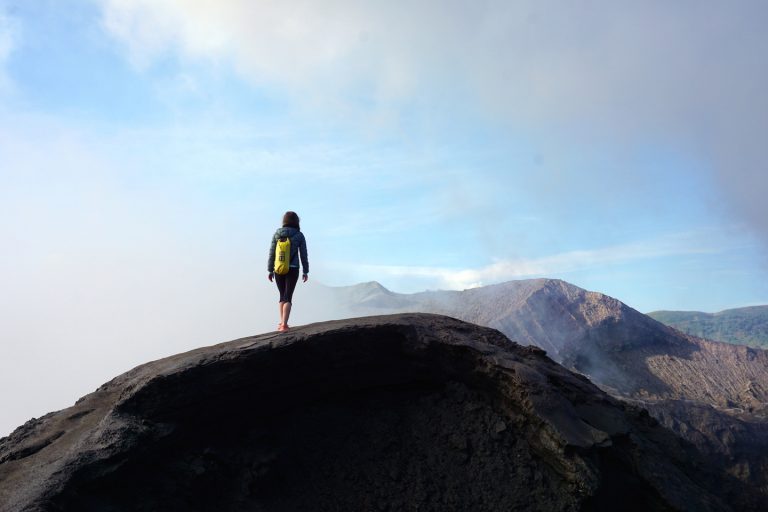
{"x": 742, "y": 326}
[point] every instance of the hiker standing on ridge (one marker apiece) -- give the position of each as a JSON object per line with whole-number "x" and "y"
{"x": 288, "y": 243}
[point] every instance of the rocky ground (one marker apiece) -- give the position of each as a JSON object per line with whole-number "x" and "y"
{"x": 403, "y": 412}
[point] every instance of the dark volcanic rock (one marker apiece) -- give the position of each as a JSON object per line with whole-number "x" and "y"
{"x": 704, "y": 390}
{"x": 405, "y": 412}
{"x": 738, "y": 445}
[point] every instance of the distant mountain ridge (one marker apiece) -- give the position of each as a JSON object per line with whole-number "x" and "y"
{"x": 741, "y": 326}
{"x": 513, "y": 307}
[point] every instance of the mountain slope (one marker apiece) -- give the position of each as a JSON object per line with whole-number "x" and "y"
{"x": 407, "y": 412}
{"x": 741, "y": 326}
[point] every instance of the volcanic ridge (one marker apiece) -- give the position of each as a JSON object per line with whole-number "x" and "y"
{"x": 401, "y": 412}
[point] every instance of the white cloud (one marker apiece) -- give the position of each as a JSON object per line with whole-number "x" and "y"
{"x": 302, "y": 46}
{"x": 689, "y": 75}
{"x": 556, "y": 264}
{"x": 587, "y": 61}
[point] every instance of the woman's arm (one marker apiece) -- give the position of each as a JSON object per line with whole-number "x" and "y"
{"x": 304, "y": 257}
{"x": 271, "y": 257}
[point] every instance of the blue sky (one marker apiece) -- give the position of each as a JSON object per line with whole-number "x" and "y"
{"x": 149, "y": 148}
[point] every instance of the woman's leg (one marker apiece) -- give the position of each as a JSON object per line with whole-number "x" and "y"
{"x": 280, "y": 281}
{"x": 286, "y": 312}
{"x": 291, "y": 278}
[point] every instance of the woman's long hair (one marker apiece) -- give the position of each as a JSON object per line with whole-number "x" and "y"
{"x": 291, "y": 220}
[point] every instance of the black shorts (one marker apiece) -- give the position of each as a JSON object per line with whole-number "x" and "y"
{"x": 286, "y": 283}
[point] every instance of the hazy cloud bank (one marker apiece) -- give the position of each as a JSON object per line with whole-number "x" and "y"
{"x": 99, "y": 273}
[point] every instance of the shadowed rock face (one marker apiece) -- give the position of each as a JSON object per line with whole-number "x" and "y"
{"x": 737, "y": 445}
{"x": 712, "y": 394}
{"x": 405, "y": 412}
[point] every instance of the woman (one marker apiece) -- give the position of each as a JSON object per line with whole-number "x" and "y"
{"x": 286, "y": 283}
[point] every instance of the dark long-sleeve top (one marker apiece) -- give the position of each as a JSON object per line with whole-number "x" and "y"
{"x": 298, "y": 249}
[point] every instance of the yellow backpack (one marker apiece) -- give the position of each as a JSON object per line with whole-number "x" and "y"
{"x": 283, "y": 256}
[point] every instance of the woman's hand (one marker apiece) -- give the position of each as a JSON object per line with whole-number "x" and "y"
{"x": 269, "y": 276}
{"x": 304, "y": 278}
